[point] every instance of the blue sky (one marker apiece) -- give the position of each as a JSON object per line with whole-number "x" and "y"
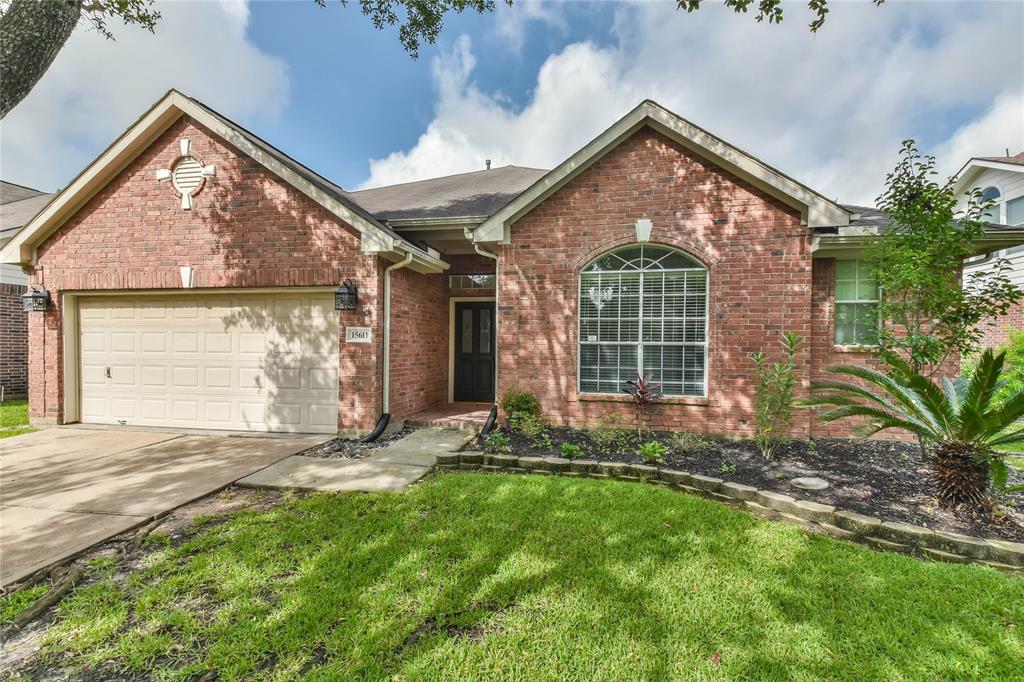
{"x": 365, "y": 97}
{"x": 532, "y": 83}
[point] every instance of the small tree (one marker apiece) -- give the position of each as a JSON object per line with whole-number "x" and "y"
{"x": 930, "y": 313}
{"x": 773, "y": 406}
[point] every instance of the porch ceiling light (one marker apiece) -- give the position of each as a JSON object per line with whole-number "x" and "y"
{"x": 346, "y": 296}
{"x": 35, "y": 300}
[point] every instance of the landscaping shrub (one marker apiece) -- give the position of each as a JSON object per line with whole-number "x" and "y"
{"x": 960, "y": 419}
{"x": 684, "y": 441}
{"x": 773, "y": 405}
{"x": 644, "y": 392}
{"x": 570, "y": 451}
{"x": 651, "y": 451}
{"x": 515, "y": 401}
{"x": 1013, "y": 370}
{"x": 534, "y": 428}
{"x": 497, "y": 442}
{"x": 609, "y": 437}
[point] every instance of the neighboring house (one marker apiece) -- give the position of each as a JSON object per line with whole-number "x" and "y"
{"x": 18, "y": 205}
{"x": 1000, "y": 178}
{"x": 192, "y": 270}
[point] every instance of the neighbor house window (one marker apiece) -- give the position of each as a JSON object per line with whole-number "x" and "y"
{"x": 1015, "y": 212}
{"x": 992, "y": 214}
{"x": 856, "y": 303}
{"x": 643, "y": 309}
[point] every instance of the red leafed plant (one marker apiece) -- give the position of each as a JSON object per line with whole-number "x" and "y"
{"x": 644, "y": 391}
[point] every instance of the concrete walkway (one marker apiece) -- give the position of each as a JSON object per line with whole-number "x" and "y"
{"x": 392, "y": 467}
{"x": 63, "y": 490}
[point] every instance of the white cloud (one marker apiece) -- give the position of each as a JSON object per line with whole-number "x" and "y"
{"x": 512, "y": 22}
{"x": 999, "y": 130}
{"x": 829, "y": 109}
{"x": 97, "y": 87}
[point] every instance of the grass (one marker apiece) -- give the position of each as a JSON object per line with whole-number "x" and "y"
{"x": 13, "y": 604}
{"x": 474, "y": 576}
{"x": 14, "y": 418}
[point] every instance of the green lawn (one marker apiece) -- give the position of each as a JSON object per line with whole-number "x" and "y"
{"x": 14, "y": 418}
{"x": 535, "y": 578}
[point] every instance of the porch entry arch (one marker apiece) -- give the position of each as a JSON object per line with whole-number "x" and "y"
{"x": 643, "y": 308}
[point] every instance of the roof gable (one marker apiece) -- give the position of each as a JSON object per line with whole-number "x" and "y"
{"x": 978, "y": 164}
{"x": 374, "y": 237}
{"x": 815, "y": 209}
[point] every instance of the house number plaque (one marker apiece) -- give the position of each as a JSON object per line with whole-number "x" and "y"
{"x": 358, "y": 335}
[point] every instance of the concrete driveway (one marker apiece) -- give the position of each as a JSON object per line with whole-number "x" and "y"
{"x": 63, "y": 490}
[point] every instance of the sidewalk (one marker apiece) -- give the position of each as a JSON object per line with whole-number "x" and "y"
{"x": 401, "y": 463}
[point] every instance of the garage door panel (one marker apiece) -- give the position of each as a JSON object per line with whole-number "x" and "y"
{"x": 263, "y": 363}
{"x": 185, "y": 342}
{"x": 217, "y": 342}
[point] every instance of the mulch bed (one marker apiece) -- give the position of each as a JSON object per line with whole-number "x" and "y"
{"x": 349, "y": 448}
{"x": 889, "y": 480}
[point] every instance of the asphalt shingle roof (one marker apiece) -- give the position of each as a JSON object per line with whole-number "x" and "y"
{"x": 18, "y": 205}
{"x": 1016, "y": 159}
{"x": 474, "y": 194}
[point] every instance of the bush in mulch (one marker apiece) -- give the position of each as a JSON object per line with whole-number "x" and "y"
{"x": 886, "y": 479}
{"x": 351, "y": 448}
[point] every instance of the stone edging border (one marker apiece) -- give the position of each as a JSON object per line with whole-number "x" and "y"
{"x": 817, "y": 518}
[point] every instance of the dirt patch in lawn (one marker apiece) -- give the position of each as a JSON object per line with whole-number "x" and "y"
{"x": 887, "y": 479}
{"x": 352, "y": 448}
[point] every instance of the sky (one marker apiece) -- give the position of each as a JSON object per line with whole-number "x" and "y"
{"x": 532, "y": 83}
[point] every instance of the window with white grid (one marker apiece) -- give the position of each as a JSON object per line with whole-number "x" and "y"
{"x": 644, "y": 308}
{"x": 856, "y": 303}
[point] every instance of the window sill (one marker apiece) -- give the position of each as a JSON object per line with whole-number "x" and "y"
{"x": 854, "y": 348}
{"x": 622, "y": 398}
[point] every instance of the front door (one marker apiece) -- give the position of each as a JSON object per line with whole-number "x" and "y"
{"x": 474, "y": 352}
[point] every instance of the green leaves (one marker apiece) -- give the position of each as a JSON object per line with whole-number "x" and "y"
{"x": 773, "y": 406}
{"x": 947, "y": 412}
{"x": 930, "y": 314}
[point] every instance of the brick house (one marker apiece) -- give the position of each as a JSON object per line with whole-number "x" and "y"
{"x": 192, "y": 267}
{"x": 1001, "y": 179}
{"x": 18, "y": 204}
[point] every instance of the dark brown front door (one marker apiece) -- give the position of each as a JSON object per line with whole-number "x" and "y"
{"x": 474, "y": 352}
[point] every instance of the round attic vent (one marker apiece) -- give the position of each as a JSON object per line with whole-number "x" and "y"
{"x": 187, "y": 175}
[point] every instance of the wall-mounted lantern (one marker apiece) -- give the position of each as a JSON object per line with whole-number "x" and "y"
{"x": 35, "y": 301}
{"x": 345, "y": 296}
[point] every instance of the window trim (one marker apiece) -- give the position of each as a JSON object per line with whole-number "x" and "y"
{"x": 1006, "y": 220}
{"x": 836, "y": 302}
{"x": 678, "y": 398}
{"x": 1000, "y": 200}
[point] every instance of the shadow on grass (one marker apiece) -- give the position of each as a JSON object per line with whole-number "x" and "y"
{"x": 534, "y": 577}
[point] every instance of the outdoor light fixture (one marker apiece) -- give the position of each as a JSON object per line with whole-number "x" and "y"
{"x": 345, "y": 296}
{"x": 35, "y": 301}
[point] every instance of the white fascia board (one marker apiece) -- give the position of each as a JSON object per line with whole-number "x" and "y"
{"x": 21, "y": 249}
{"x": 972, "y": 168}
{"x": 816, "y": 210}
{"x": 851, "y": 245}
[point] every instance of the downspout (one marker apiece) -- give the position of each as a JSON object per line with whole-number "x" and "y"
{"x": 385, "y": 416}
{"x": 497, "y": 338}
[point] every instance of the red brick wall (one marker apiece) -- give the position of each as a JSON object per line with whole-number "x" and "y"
{"x": 824, "y": 352}
{"x": 248, "y": 229}
{"x": 13, "y": 341}
{"x": 997, "y": 331}
{"x": 419, "y": 342}
{"x": 756, "y": 251}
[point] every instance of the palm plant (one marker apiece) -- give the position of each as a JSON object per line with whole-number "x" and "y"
{"x": 958, "y": 420}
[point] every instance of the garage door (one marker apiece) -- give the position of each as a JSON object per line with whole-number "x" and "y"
{"x": 253, "y": 363}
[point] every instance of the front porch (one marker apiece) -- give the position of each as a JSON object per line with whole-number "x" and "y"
{"x": 452, "y": 416}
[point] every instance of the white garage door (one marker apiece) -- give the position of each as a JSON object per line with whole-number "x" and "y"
{"x": 258, "y": 362}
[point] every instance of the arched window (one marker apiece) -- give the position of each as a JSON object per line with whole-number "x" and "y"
{"x": 644, "y": 308}
{"x": 993, "y": 194}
